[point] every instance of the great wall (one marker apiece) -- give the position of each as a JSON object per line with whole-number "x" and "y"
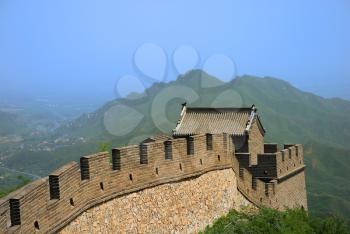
{"x": 178, "y": 184}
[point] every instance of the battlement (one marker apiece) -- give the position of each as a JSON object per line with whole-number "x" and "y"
{"x": 260, "y": 183}
{"x": 50, "y": 203}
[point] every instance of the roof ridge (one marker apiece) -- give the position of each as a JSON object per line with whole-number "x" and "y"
{"x": 219, "y": 109}
{"x": 223, "y": 107}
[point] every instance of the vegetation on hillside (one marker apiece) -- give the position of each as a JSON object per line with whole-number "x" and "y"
{"x": 104, "y": 146}
{"x": 22, "y": 181}
{"x": 9, "y": 123}
{"x": 272, "y": 221}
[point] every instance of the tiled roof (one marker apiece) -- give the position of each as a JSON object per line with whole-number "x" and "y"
{"x": 198, "y": 120}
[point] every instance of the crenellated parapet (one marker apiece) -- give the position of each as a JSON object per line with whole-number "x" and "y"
{"x": 262, "y": 183}
{"x": 48, "y": 204}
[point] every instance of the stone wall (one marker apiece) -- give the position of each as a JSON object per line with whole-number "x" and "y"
{"x": 284, "y": 171}
{"x": 130, "y": 173}
{"x": 182, "y": 207}
{"x": 255, "y": 142}
{"x": 50, "y": 203}
{"x": 292, "y": 192}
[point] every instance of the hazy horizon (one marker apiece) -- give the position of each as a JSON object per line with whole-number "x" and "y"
{"x": 78, "y": 50}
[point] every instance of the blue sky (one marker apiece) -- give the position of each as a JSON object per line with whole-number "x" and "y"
{"x": 78, "y": 49}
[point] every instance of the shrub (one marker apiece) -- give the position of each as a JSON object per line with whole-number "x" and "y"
{"x": 273, "y": 221}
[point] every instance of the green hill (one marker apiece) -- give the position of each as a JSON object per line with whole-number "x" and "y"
{"x": 288, "y": 114}
{"x": 272, "y": 221}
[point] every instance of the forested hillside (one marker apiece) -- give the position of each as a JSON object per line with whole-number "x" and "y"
{"x": 288, "y": 114}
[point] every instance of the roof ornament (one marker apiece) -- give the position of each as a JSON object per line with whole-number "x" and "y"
{"x": 254, "y": 108}
{"x": 251, "y": 118}
{"x": 183, "y": 112}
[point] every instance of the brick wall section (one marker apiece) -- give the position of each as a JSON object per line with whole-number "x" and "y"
{"x": 183, "y": 207}
{"x": 285, "y": 172}
{"x": 266, "y": 166}
{"x": 270, "y": 148}
{"x": 289, "y": 159}
{"x": 255, "y": 142}
{"x": 40, "y": 213}
{"x": 292, "y": 192}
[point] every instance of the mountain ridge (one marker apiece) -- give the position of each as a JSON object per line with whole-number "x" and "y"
{"x": 288, "y": 114}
